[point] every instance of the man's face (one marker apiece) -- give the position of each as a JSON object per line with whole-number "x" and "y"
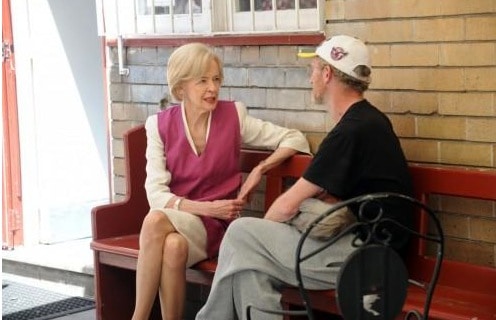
{"x": 318, "y": 81}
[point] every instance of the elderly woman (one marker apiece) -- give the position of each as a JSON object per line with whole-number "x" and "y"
{"x": 194, "y": 184}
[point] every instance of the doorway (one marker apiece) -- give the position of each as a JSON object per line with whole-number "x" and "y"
{"x": 62, "y": 117}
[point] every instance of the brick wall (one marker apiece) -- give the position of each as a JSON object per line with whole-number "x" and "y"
{"x": 434, "y": 76}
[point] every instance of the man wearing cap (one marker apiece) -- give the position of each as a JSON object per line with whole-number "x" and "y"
{"x": 360, "y": 155}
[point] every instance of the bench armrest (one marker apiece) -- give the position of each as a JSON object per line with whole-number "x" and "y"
{"x": 118, "y": 219}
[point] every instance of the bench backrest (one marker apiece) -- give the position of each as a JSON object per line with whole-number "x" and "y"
{"x": 466, "y": 183}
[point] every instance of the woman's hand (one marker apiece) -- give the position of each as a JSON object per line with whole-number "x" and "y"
{"x": 250, "y": 184}
{"x": 225, "y": 209}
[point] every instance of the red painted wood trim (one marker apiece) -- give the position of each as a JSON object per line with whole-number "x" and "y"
{"x": 12, "y": 211}
{"x": 222, "y": 40}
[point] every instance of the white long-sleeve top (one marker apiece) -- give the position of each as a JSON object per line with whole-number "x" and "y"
{"x": 254, "y": 133}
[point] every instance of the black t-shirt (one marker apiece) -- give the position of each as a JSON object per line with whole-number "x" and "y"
{"x": 362, "y": 155}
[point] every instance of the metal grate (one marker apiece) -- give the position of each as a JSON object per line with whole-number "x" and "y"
{"x": 23, "y": 302}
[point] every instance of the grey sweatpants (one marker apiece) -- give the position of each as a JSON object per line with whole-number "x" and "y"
{"x": 256, "y": 258}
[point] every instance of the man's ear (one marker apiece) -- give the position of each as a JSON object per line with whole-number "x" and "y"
{"x": 327, "y": 73}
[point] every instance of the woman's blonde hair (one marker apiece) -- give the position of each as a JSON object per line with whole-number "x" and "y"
{"x": 188, "y": 62}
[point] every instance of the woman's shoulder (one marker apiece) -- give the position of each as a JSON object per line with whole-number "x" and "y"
{"x": 240, "y": 108}
{"x": 151, "y": 121}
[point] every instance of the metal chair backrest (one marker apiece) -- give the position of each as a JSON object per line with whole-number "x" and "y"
{"x": 373, "y": 280}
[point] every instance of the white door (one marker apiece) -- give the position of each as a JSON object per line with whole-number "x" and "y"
{"x": 62, "y": 117}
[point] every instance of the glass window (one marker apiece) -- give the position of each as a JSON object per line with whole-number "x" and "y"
{"x": 168, "y": 17}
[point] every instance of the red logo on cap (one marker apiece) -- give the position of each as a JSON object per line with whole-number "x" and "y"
{"x": 338, "y": 53}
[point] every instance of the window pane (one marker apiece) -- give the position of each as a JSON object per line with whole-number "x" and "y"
{"x": 182, "y": 6}
{"x": 147, "y": 7}
{"x": 308, "y": 4}
{"x": 264, "y": 5}
{"x": 261, "y": 5}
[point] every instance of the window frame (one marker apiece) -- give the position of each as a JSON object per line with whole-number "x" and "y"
{"x": 124, "y": 20}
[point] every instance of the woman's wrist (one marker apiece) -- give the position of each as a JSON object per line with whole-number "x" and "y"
{"x": 262, "y": 166}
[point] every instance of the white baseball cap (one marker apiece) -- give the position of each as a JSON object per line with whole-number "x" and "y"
{"x": 345, "y": 53}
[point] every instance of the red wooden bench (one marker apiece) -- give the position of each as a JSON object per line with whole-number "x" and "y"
{"x": 465, "y": 291}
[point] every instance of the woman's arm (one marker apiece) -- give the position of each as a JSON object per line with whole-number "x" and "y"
{"x": 157, "y": 176}
{"x": 263, "y": 134}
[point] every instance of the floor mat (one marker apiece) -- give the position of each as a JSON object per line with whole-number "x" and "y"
{"x": 23, "y": 302}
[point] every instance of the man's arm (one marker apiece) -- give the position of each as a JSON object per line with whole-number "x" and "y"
{"x": 286, "y": 206}
{"x": 251, "y": 182}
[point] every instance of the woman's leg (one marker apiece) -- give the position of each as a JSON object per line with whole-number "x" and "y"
{"x": 173, "y": 277}
{"x": 156, "y": 226}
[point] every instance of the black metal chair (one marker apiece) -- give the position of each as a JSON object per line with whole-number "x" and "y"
{"x": 372, "y": 282}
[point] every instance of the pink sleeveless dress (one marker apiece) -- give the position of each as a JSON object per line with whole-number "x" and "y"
{"x": 213, "y": 175}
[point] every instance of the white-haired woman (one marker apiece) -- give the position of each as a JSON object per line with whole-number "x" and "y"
{"x": 194, "y": 184}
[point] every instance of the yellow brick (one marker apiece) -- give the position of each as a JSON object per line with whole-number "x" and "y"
{"x": 380, "y": 55}
{"x": 416, "y": 8}
{"x": 309, "y": 121}
{"x": 314, "y": 139}
{"x": 418, "y": 79}
{"x": 415, "y": 102}
{"x": 440, "y": 79}
{"x": 117, "y": 148}
{"x": 441, "y": 127}
{"x": 467, "y": 104}
{"x": 421, "y": 150}
{"x": 483, "y": 229}
{"x": 440, "y": 29}
{"x": 121, "y": 127}
{"x": 415, "y": 55}
{"x": 119, "y": 166}
{"x": 483, "y": 130}
{"x": 404, "y": 126}
{"x": 469, "y": 251}
{"x": 356, "y": 29}
{"x": 481, "y": 28}
{"x": 334, "y": 10}
{"x": 380, "y": 99}
{"x": 394, "y": 78}
{"x": 452, "y": 7}
{"x": 120, "y": 185}
{"x": 480, "y": 79}
{"x": 372, "y": 9}
{"x": 250, "y": 54}
{"x": 469, "y": 154}
{"x": 467, "y": 206}
{"x": 359, "y": 9}
{"x": 454, "y": 225}
{"x": 468, "y": 54}
{"x": 390, "y": 31}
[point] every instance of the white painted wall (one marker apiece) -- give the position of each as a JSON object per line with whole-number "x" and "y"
{"x": 62, "y": 117}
